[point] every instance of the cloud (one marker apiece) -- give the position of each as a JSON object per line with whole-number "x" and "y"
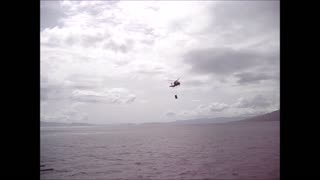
{"x": 220, "y": 61}
{"x": 212, "y": 107}
{"x": 84, "y": 82}
{"x": 89, "y": 96}
{"x": 68, "y": 113}
{"x": 247, "y": 77}
{"x": 188, "y": 114}
{"x": 194, "y": 83}
{"x": 240, "y": 21}
{"x": 148, "y": 68}
{"x": 224, "y": 64}
{"x": 217, "y": 107}
{"x": 51, "y": 89}
{"x": 255, "y": 102}
{"x": 91, "y": 40}
{"x": 123, "y": 47}
{"x": 93, "y": 47}
{"x": 130, "y": 98}
{"x": 110, "y": 96}
{"x": 62, "y": 89}
{"x": 254, "y": 105}
{"x": 170, "y": 114}
{"x": 51, "y": 13}
{"x": 204, "y": 110}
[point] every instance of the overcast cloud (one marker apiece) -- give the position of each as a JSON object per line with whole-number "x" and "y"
{"x": 110, "y": 61}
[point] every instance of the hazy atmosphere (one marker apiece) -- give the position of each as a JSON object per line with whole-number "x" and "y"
{"x": 110, "y": 61}
{"x": 106, "y": 68}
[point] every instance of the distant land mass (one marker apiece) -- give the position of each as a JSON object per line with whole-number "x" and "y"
{"x": 272, "y": 116}
{"x": 208, "y": 120}
{"x": 45, "y": 123}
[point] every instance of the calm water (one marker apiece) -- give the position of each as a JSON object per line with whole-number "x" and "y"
{"x": 220, "y": 151}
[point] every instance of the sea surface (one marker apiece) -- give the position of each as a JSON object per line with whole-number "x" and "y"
{"x": 247, "y": 150}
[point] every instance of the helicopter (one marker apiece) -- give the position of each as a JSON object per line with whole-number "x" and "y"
{"x": 174, "y": 84}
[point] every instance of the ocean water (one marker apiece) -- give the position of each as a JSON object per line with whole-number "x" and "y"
{"x": 161, "y": 151}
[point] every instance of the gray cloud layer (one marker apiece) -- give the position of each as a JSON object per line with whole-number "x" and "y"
{"x": 235, "y": 19}
{"x": 246, "y": 78}
{"x": 50, "y": 14}
{"x": 114, "y": 56}
{"x": 221, "y": 61}
{"x": 258, "y": 101}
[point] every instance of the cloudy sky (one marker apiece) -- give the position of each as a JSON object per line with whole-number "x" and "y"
{"x": 110, "y": 61}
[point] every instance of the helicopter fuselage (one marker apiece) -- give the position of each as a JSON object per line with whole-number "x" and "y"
{"x": 176, "y": 83}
